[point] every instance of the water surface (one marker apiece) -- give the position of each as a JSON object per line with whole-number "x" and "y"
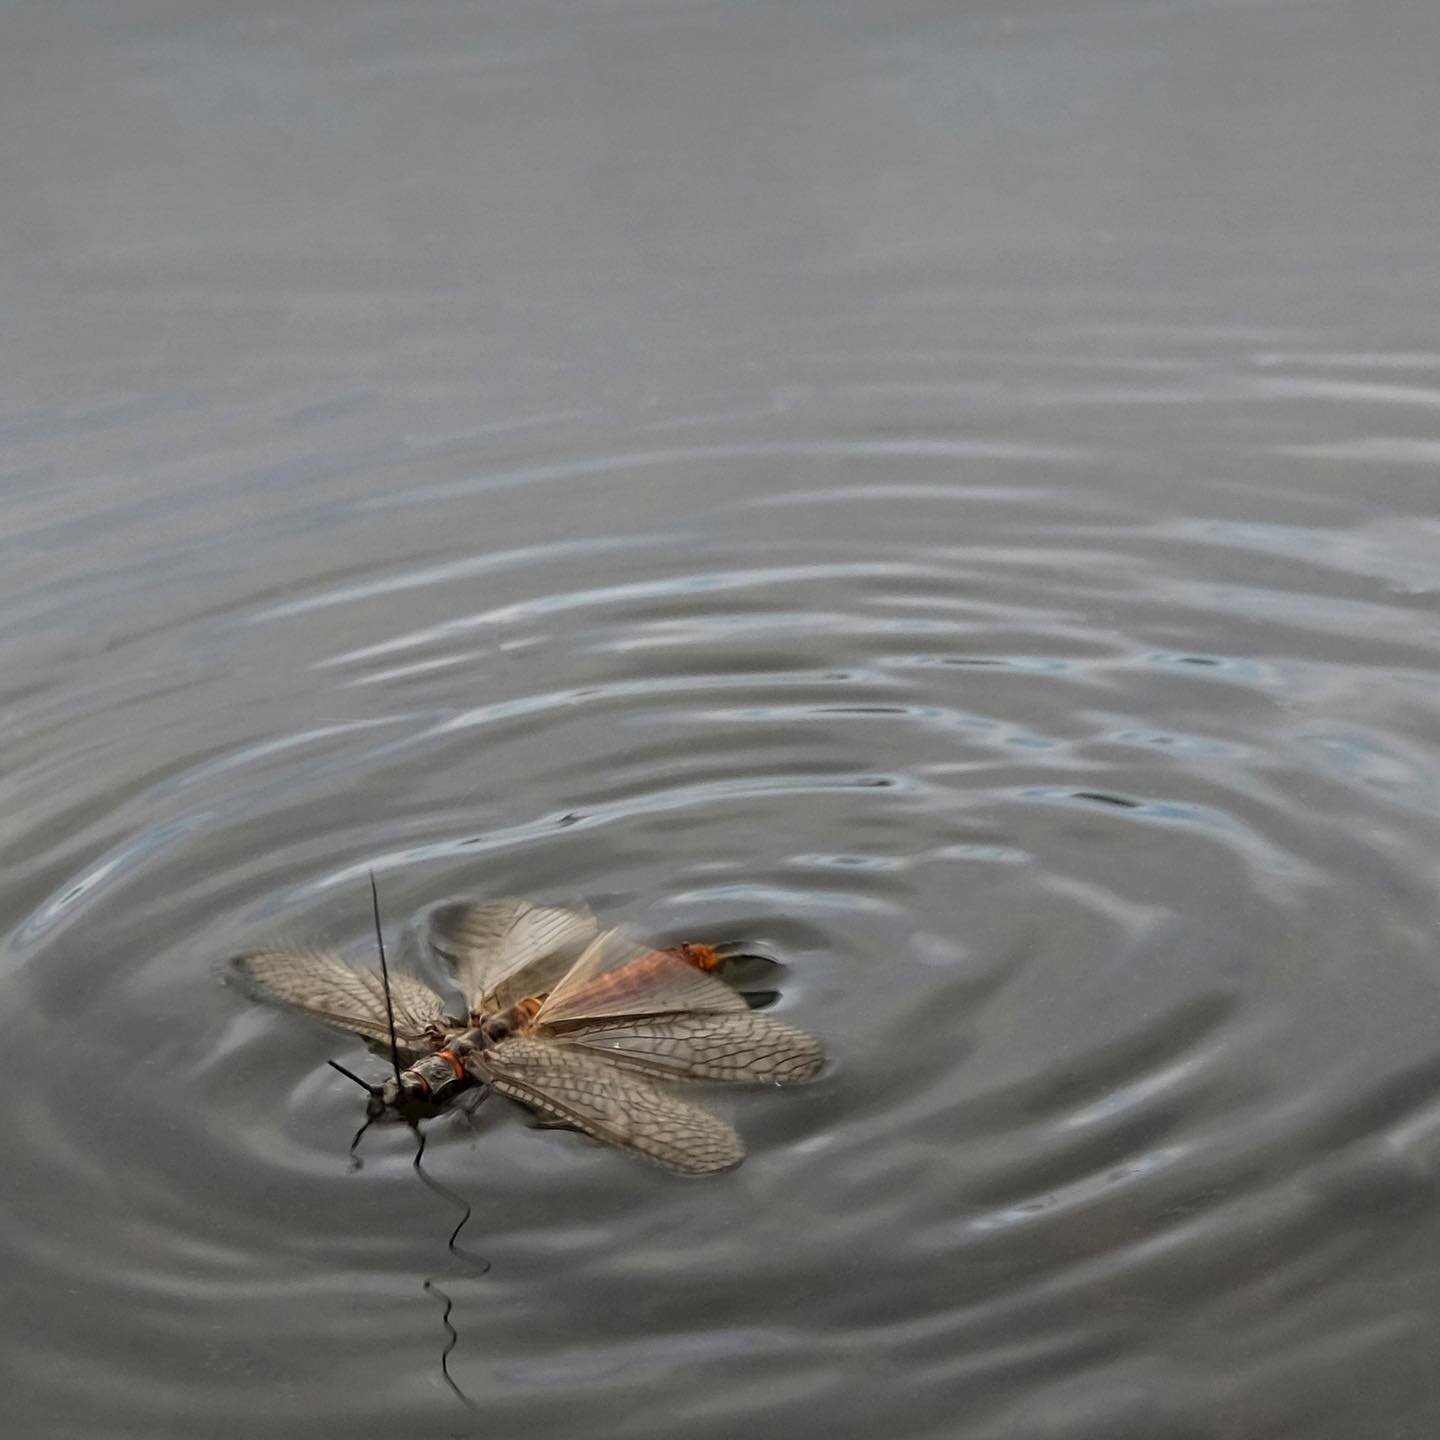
{"x": 946, "y": 492}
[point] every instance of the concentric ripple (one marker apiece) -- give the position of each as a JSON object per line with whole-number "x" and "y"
{"x": 1074, "y": 891}
{"x": 1017, "y": 618}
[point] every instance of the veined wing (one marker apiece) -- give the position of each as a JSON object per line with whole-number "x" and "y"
{"x": 609, "y": 1104}
{"x": 619, "y": 976}
{"x": 322, "y": 986}
{"x": 733, "y": 1046}
{"x": 501, "y": 951}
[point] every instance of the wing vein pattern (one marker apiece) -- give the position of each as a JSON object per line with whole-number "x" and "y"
{"x": 505, "y": 950}
{"x": 321, "y": 985}
{"x": 732, "y": 1046}
{"x": 618, "y": 976}
{"x": 610, "y": 1105}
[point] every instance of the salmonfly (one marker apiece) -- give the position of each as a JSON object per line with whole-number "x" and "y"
{"x": 576, "y": 1023}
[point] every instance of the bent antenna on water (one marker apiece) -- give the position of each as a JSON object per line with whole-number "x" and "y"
{"x": 385, "y": 978}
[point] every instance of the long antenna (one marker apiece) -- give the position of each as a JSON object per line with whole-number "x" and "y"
{"x": 385, "y": 978}
{"x": 351, "y": 1075}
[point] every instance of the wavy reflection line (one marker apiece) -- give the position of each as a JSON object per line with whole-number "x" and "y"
{"x": 684, "y": 797}
{"x": 1024, "y": 664}
{"x": 527, "y": 705}
{"x": 1351, "y": 359}
{"x": 1147, "y": 807}
{"x": 1051, "y": 497}
{"x": 1424, "y": 397}
{"x": 1387, "y": 450}
{"x": 452, "y": 570}
{"x": 725, "y": 625}
{"x": 123, "y": 858}
{"x": 940, "y": 717}
{"x": 665, "y": 587}
{"x": 952, "y": 449}
{"x": 1406, "y": 556}
{"x": 1237, "y": 668}
{"x": 577, "y": 1367}
{"x": 1310, "y": 613}
{"x": 264, "y": 749}
{"x": 1077, "y": 1193}
{"x": 414, "y": 668}
{"x": 784, "y": 900}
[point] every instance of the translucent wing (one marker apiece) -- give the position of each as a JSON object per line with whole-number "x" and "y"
{"x": 325, "y": 988}
{"x": 618, "y": 976}
{"x": 501, "y": 951}
{"x": 621, "y": 1109}
{"x": 729, "y": 1046}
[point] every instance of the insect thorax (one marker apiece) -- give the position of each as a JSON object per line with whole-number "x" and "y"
{"x": 495, "y": 1028}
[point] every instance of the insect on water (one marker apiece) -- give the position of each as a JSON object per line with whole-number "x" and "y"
{"x": 575, "y": 1023}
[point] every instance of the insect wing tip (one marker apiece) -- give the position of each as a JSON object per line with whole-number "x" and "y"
{"x": 245, "y": 971}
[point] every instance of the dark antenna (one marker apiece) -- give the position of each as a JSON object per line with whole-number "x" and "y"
{"x": 385, "y": 978}
{"x": 451, "y": 1334}
{"x": 365, "y": 1085}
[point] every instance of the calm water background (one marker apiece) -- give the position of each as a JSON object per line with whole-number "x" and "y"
{"x": 947, "y": 490}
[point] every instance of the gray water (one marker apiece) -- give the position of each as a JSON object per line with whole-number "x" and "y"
{"x": 945, "y": 491}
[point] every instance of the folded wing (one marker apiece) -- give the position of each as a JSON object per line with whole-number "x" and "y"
{"x": 733, "y": 1046}
{"x": 618, "y": 977}
{"x": 609, "y": 1104}
{"x": 319, "y": 984}
{"x": 502, "y": 951}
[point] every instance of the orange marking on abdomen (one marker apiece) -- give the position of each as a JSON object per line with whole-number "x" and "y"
{"x": 702, "y": 957}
